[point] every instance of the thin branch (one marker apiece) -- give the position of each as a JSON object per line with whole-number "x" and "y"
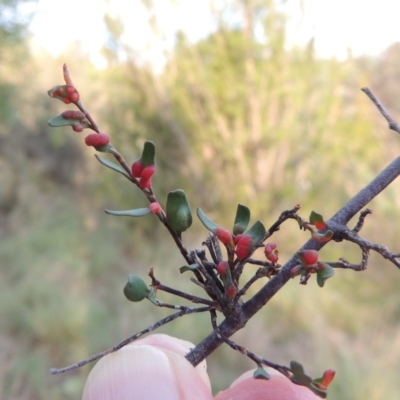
{"x": 393, "y": 125}
{"x": 382, "y": 250}
{"x": 285, "y": 215}
{"x": 166, "y": 320}
{"x": 337, "y": 224}
{"x": 258, "y": 360}
{"x": 361, "y": 220}
{"x": 194, "y": 299}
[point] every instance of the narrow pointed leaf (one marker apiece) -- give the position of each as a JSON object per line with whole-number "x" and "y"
{"x": 190, "y": 267}
{"x": 113, "y": 166}
{"x": 256, "y": 232}
{"x": 242, "y": 219}
{"x": 138, "y": 212}
{"x": 210, "y": 225}
{"x": 179, "y": 214}
{"x": 324, "y": 273}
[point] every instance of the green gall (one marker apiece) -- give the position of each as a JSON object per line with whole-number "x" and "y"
{"x": 136, "y": 289}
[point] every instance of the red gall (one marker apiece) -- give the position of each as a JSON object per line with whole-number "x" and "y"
{"x": 137, "y": 168}
{"x": 97, "y": 139}
{"x": 148, "y": 172}
{"x": 244, "y": 247}
{"x": 308, "y": 257}
{"x": 155, "y": 208}
{"x": 223, "y": 235}
{"x": 145, "y": 183}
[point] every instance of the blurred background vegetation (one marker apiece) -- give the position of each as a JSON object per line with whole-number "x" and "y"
{"x": 236, "y": 118}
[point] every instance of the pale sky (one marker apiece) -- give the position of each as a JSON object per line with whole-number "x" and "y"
{"x": 365, "y": 26}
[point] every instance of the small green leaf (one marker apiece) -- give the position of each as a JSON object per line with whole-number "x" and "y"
{"x": 190, "y": 267}
{"x": 179, "y": 214}
{"x": 148, "y": 153}
{"x": 322, "y": 238}
{"x": 136, "y": 289}
{"x": 113, "y": 166}
{"x": 256, "y": 232}
{"x": 317, "y": 220}
{"x": 138, "y": 212}
{"x": 242, "y": 219}
{"x": 324, "y": 272}
{"x": 261, "y": 373}
{"x": 299, "y": 376}
{"x": 210, "y": 225}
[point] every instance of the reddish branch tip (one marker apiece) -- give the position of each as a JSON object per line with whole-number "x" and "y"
{"x": 67, "y": 78}
{"x": 327, "y": 378}
{"x": 97, "y": 139}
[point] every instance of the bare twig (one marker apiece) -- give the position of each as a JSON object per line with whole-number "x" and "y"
{"x": 194, "y": 299}
{"x": 361, "y": 220}
{"x": 258, "y": 360}
{"x": 382, "y": 250}
{"x": 166, "y": 320}
{"x": 393, "y": 125}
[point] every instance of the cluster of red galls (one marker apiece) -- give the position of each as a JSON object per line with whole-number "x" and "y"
{"x": 244, "y": 244}
{"x": 143, "y": 172}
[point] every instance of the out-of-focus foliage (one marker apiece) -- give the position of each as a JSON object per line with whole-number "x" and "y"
{"x": 236, "y": 118}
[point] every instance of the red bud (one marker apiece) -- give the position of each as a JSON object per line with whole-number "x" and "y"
{"x": 223, "y": 235}
{"x": 97, "y": 139}
{"x": 155, "y": 208}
